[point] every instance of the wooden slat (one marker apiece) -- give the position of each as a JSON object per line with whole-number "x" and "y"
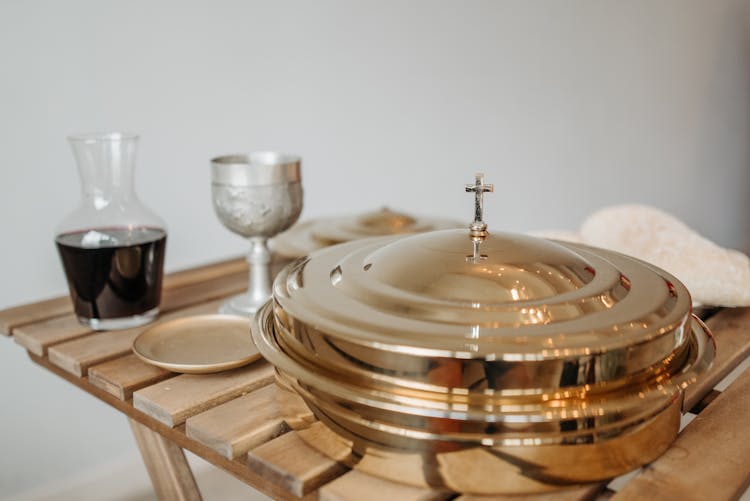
{"x": 235, "y": 427}
{"x": 356, "y": 486}
{"x": 165, "y": 462}
{"x": 204, "y": 291}
{"x": 122, "y": 376}
{"x": 232, "y": 266}
{"x": 34, "y": 312}
{"x": 38, "y": 337}
{"x": 289, "y": 462}
{"x": 731, "y": 330}
{"x": 210, "y": 271}
{"x": 78, "y": 355}
{"x": 709, "y": 459}
{"x": 176, "y": 399}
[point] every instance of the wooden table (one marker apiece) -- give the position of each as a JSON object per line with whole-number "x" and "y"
{"x": 231, "y": 420}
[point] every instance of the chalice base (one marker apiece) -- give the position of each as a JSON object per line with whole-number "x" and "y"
{"x": 242, "y": 304}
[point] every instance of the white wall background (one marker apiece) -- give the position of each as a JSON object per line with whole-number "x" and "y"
{"x": 567, "y": 106}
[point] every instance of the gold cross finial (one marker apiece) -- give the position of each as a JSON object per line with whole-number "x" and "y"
{"x": 478, "y": 227}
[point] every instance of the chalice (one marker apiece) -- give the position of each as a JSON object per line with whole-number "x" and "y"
{"x": 256, "y": 196}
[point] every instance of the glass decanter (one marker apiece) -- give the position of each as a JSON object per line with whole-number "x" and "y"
{"x": 111, "y": 247}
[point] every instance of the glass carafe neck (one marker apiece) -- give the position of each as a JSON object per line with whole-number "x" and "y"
{"x": 106, "y": 163}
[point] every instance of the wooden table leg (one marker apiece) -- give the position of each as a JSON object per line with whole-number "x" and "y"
{"x": 165, "y": 461}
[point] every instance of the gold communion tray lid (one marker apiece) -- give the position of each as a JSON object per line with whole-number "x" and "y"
{"x": 390, "y": 308}
{"x": 521, "y": 298}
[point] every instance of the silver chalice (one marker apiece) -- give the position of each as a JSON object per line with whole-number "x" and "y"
{"x": 257, "y": 196}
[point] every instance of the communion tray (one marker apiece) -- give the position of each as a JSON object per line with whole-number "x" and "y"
{"x": 483, "y": 363}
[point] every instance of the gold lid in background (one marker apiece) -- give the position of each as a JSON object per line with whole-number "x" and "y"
{"x": 374, "y": 224}
{"x": 308, "y": 236}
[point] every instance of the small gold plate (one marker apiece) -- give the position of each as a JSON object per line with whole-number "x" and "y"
{"x": 198, "y": 345}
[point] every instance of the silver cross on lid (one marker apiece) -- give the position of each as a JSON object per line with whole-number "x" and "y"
{"x": 478, "y": 228}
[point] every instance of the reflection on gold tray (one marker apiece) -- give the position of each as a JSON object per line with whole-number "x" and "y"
{"x": 198, "y": 345}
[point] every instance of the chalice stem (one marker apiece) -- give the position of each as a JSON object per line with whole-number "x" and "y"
{"x": 259, "y": 261}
